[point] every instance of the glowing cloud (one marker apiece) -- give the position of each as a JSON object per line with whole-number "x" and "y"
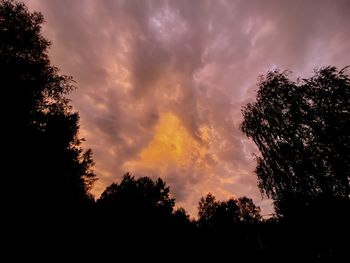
{"x": 172, "y": 145}
{"x": 162, "y": 83}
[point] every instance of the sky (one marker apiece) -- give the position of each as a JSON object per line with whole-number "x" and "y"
{"x": 161, "y": 84}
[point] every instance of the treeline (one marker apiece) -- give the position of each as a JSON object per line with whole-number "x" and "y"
{"x": 302, "y": 129}
{"x": 141, "y": 214}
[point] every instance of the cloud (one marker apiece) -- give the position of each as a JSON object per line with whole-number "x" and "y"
{"x": 153, "y": 72}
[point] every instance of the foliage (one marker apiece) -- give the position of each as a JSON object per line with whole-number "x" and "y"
{"x": 248, "y": 211}
{"x": 226, "y": 213}
{"x": 45, "y": 160}
{"x": 135, "y": 199}
{"x": 302, "y": 130}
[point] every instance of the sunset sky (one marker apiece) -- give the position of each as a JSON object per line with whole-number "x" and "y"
{"x": 161, "y": 84}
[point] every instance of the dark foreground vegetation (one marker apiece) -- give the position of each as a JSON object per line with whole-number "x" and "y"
{"x": 302, "y": 130}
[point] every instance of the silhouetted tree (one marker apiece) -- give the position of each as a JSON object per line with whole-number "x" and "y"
{"x": 207, "y": 208}
{"x": 181, "y": 217}
{"x": 45, "y": 162}
{"x": 302, "y": 130}
{"x": 182, "y": 226}
{"x": 139, "y": 200}
{"x": 248, "y": 211}
{"x": 225, "y": 213}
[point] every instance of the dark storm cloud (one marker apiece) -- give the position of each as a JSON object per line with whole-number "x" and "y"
{"x": 136, "y": 60}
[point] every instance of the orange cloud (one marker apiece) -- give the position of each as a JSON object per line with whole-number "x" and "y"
{"x": 173, "y": 145}
{"x": 162, "y": 83}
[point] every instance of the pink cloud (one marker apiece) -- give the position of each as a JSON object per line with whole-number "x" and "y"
{"x": 135, "y": 61}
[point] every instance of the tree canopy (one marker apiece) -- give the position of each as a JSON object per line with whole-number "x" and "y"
{"x": 302, "y": 129}
{"x": 45, "y": 160}
{"x": 138, "y": 199}
{"x": 226, "y": 213}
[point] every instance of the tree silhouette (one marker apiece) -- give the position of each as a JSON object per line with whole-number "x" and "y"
{"x": 302, "y": 130}
{"x": 248, "y": 211}
{"x": 181, "y": 218}
{"x": 44, "y": 158}
{"x": 226, "y": 213}
{"x": 139, "y": 200}
{"x": 137, "y": 214}
{"x": 207, "y": 208}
